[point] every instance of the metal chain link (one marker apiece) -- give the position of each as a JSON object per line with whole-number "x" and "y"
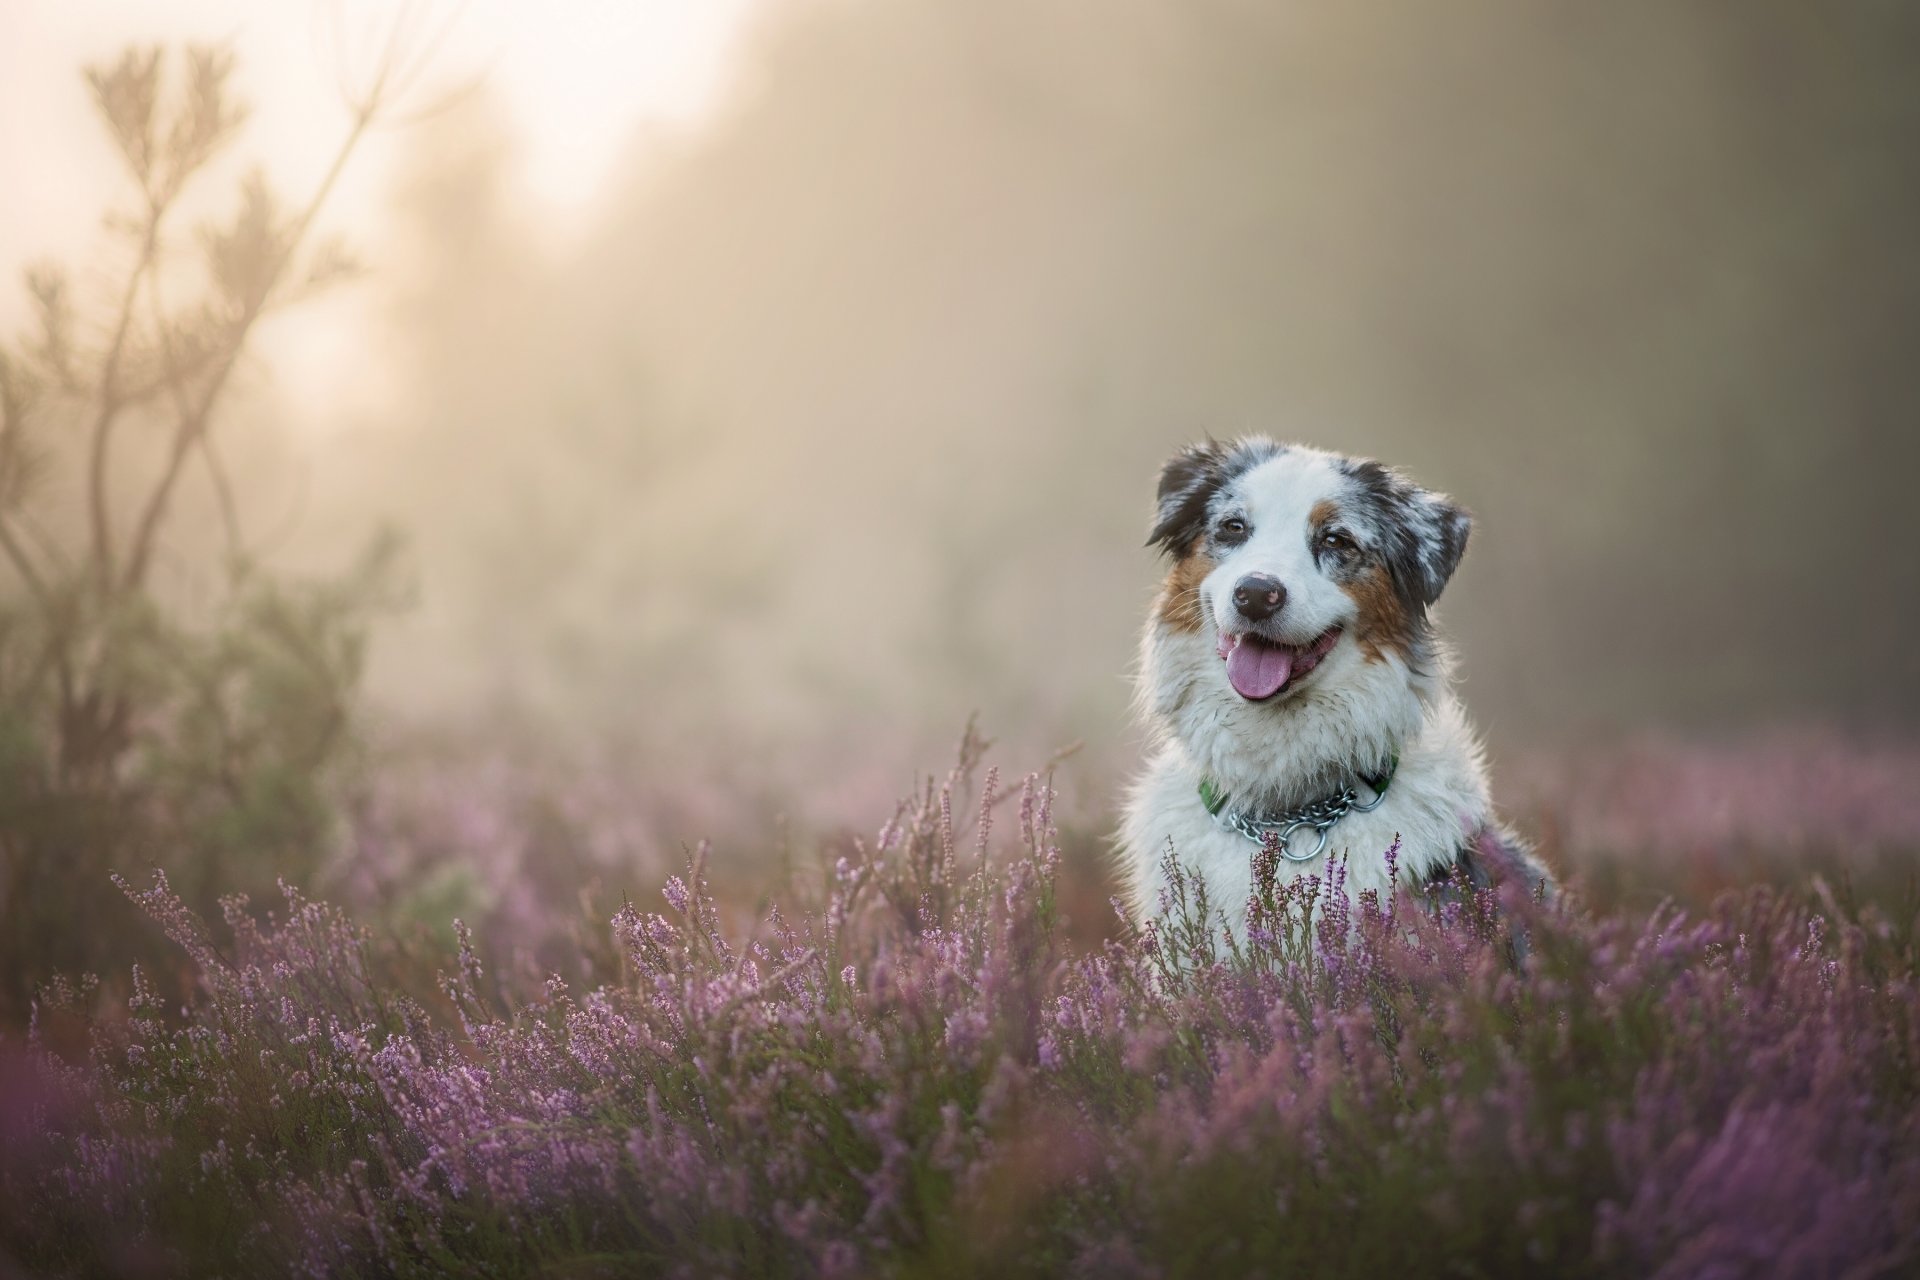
{"x": 1319, "y": 814}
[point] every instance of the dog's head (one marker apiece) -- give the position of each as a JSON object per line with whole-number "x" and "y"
{"x": 1299, "y": 567}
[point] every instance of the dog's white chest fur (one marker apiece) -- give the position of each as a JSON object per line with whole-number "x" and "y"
{"x": 1436, "y": 799}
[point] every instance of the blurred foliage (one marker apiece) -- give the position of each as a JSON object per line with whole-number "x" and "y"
{"x": 200, "y": 720}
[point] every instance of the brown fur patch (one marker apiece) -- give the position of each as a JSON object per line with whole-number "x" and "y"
{"x": 1383, "y": 625}
{"x": 1179, "y": 606}
{"x": 1323, "y": 513}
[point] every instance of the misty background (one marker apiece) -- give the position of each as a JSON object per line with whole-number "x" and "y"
{"x": 833, "y": 413}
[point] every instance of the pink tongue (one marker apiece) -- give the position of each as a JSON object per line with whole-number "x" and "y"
{"x": 1258, "y": 670}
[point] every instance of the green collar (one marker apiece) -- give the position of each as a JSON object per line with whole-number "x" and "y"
{"x": 1215, "y": 799}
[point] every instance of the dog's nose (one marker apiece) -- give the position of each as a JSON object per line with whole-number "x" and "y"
{"x": 1258, "y": 597}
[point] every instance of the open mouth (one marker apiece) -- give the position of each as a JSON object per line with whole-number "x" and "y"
{"x": 1259, "y": 668}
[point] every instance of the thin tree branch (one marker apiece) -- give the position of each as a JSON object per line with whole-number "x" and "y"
{"x": 403, "y": 60}
{"x": 210, "y": 454}
{"x": 223, "y": 495}
{"x": 45, "y": 543}
{"x": 278, "y": 536}
{"x": 23, "y": 564}
{"x": 111, "y": 403}
{"x": 193, "y": 424}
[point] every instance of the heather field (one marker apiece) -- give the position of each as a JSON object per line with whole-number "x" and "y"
{"x": 935, "y": 1050}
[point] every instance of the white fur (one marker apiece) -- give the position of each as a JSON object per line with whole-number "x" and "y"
{"x": 1346, "y": 717}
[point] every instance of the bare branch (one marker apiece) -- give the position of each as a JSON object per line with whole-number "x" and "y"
{"x": 53, "y": 309}
{"x": 111, "y": 401}
{"x": 194, "y": 421}
{"x": 13, "y": 399}
{"x": 127, "y": 95}
{"x": 45, "y": 543}
{"x": 206, "y": 120}
{"x": 23, "y": 565}
{"x": 223, "y": 494}
{"x": 386, "y": 72}
{"x": 407, "y": 74}
{"x": 446, "y": 102}
{"x": 411, "y": 43}
{"x": 175, "y": 378}
{"x": 278, "y": 536}
{"x": 13, "y": 409}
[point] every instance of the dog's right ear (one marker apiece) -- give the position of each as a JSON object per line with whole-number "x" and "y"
{"x": 1187, "y": 484}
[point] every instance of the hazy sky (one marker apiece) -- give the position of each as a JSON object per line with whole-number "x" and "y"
{"x": 579, "y": 84}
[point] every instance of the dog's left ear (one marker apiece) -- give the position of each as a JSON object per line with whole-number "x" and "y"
{"x": 1187, "y": 484}
{"x": 1425, "y": 533}
{"x": 1435, "y": 540}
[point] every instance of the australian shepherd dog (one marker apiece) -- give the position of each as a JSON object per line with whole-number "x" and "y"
{"x": 1296, "y": 690}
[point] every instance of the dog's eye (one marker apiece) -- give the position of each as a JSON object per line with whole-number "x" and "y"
{"x": 1334, "y": 540}
{"x": 1234, "y": 527}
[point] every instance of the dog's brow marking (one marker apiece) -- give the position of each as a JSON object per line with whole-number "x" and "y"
{"x": 1324, "y": 511}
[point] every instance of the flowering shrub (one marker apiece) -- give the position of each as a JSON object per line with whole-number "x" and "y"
{"x": 908, "y": 1072}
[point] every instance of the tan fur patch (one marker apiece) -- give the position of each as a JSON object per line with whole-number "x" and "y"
{"x": 1180, "y": 606}
{"x": 1323, "y": 513}
{"x": 1383, "y": 625}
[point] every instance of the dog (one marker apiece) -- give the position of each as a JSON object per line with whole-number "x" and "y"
{"x": 1296, "y": 690}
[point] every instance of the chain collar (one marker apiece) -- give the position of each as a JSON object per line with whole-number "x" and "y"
{"x": 1320, "y": 815}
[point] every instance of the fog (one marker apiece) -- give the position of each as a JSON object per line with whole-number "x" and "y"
{"x": 839, "y": 418}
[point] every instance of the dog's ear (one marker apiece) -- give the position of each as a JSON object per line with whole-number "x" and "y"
{"x": 1440, "y": 526}
{"x": 1187, "y": 484}
{"x": 1423, "y": 534}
